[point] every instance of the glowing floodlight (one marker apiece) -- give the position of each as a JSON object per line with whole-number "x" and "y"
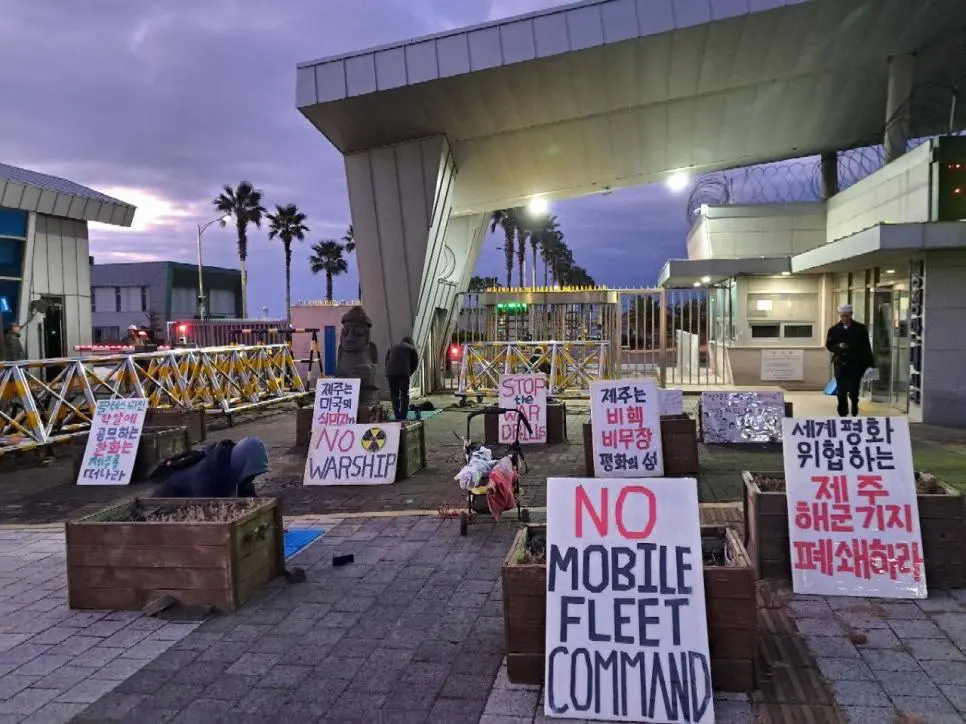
{"x": 678, "y": 181}
{"x": 538, "y": 206}
{"x": 705, "y": 280}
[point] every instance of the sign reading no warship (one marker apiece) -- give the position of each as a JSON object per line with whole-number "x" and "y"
{"x": 627, "y": 634}
{"x": 353, "y": 455}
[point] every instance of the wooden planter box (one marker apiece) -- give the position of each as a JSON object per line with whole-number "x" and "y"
{"x": 556, "y": 426}
{"x": 303, "y": 425}
{"x": 412, "y": 450}
{"x": 679, "y": 444}
{"x": 942, "y": 520}
{"x": 124, "y": 566}
{"x": 731, "y": 609}
{"x": 194, "y": 419}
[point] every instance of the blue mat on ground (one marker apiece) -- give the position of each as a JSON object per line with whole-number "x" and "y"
{"x": 297, "y": 539}
{"x": 423, "y": 415}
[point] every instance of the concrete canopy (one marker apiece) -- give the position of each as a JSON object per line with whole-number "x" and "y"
{"x": 439, "y": 131}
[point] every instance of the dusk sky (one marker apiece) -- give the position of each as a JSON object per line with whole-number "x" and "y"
{"x": 161, "y": 104}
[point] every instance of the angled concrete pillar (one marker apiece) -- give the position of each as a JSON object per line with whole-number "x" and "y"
{"x": 400, "y": 198}
{"x": 898, "y": 110}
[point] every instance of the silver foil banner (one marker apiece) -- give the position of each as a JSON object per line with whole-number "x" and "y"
{"x": 742, "y": 417}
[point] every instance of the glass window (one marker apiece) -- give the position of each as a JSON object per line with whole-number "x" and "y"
{"x": 797, "y": 331}
{"x": 104, "y": 299}
{"x": 13, "y": 223}
{"x": 11, "y": 258}
{"x": 9, "y": 300}
{"x": 766, "y": 331}
{"x": 783, "y": 307}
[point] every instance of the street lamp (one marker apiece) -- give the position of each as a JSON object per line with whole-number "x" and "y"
{"x": 538, "y": 206}
{"x": 201, "y": 283}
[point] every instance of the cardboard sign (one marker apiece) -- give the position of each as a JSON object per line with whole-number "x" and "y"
{"x": 527, "y": 393}
{"x": 353, "y": 455}
{"x": 853, "y": 518}
{"x": 627, "y": 632}
{"x": 112, "y": 445}
{"x": 672, "y": 401}
{"x": 626, "y": 417}
{"x": 336, "y": 402}
{"x": 742, "y": 417}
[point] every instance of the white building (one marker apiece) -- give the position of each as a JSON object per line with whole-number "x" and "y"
{"x": 44, "y": 256}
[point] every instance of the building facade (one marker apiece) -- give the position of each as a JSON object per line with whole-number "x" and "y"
{"x": 153, "y": 293}
{"x": 44, "y": 257}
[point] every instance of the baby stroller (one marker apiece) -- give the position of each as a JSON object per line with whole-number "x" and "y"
{"x": 477, "y": 497}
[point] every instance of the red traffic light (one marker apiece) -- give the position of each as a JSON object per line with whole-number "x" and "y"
{"x": 182, "y": 329}
{"x": 455, "y": 352}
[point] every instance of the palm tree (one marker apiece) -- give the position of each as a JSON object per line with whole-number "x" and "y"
{"x": 550, "y": 249}
{"x": 523, "y": 233}
{"x": 244, "y": 204}
{"x": 542, "y": 236}
{"x": 349, "y": 244}
{"x": 327, "y": 257}
{"x": 481, "y": 284}
{"x": 506, "y": 219}
{"x": 287, "y": 224}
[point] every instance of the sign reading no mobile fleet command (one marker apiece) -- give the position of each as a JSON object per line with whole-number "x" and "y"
{"x": 627, "y": 634}
{"x": 353, "y": 455}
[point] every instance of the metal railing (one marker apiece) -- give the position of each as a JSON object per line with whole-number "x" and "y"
{"x": 573, "y": 365}
{"x": 48, "y": 401}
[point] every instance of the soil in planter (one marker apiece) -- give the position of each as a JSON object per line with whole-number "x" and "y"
{"x": 187, "y": 512}
{"x": 769, "y": 483}
{"x": 535, "y": 549}
{"x": 714, "y": 551}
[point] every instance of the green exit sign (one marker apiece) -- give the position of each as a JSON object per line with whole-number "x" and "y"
{"x": 512, "y": 307}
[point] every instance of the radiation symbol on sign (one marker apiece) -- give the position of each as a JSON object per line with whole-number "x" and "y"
{"x": 373, "y": 439}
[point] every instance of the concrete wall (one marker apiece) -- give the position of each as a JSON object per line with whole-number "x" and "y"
{"x": 757, "y": 230}
{"x": 944, "y": 339}
{"x": 897, "y": 193}
{"x": 57, "y": 264}
{"x": 817, "y": 286}
{"x": 745, "y": 363}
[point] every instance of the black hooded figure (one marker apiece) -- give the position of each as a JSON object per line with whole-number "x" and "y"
{"x": 401, "y": 362}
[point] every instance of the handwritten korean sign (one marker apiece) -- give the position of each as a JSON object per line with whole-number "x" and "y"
{"x": 112, "y": 445}
{"x": 626, "y": 418}
{"x": 527, "y": 393}
{"x": 353, "y": 455}
{"x": 852, "y": 511}
{"x": 626, "y": 633}
{"x": 336, "y": 402}
{"x": 742, "y": 417}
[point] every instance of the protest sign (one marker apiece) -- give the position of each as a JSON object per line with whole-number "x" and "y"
{"x": 742, "y": 417}
{"x": 336, "y": 402}
{"x": 112, "y": 444}
{"x": 528, "y": 394}
{"x": 853, "y": 518}
{"x": 626, "y": 419}
{"x": 353, "y": 455}
{"x": 627, "y": 632}
{"x": 672, "y": 401}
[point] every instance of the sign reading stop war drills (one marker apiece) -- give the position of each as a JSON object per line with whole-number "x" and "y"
{"x": 353, "y": 455}
{"x": 627, "y": 635}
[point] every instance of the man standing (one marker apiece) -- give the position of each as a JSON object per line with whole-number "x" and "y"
{"x": 848, "y": 341}
{"x": 401, "y": 362}
{"x": 12, "y": 344}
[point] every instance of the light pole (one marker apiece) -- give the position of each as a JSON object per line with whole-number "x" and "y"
{"x": 202, "y": 306}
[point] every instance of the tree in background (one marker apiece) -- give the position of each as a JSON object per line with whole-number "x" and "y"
{"x": 506, "y": 220}
{"x": 481, "y": 284}
{"x": 287, "y": 224}
{"x": 244, "y": 204}
{"x": 523, "y": 223}
{"x": 349, "y": 243}
{"x": 541, "y": 236}
{"x": 327, "y": 257}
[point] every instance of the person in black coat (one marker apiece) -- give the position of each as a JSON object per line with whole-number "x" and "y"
{"x": 401, "y": 362}
{"x": 848, "y": 341}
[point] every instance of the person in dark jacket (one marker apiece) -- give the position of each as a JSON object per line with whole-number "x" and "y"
{"x": 848, "y": 341}
{"x": 224, "y": 469}
{"x": 12, "y": 345}
{"x": 401, "y": 362}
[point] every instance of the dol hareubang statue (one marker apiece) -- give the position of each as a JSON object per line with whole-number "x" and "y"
{"x": 357, "y": 355}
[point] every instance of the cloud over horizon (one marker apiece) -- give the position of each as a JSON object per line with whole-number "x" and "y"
{"x": 161, "y": 105}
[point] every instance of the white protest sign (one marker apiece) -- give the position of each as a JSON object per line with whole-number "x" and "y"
{"x": 742, "y": 417}
{"x": 672, "y": 401}
{"x": 528, "y": 394}
{"x": 112, "y": 444}
{"x": 626, "y": 419}
{"x": 853, "y": 518}
{"x": 627, "y": 631}
{"x": 353, "y": 455}
{"x": 336, "y": 402}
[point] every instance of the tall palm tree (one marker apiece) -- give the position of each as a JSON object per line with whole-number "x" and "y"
{"x": 327, "y": 257}
{"x": 244, "y": 204}
{"x": 523, "y": 233}
{"x": 550, "y": 249}
{"x": 349, "y": 244}
{"x": 541, "y": 237}
{"x": 287, "y": 224}
{"x": 506, "y": 219}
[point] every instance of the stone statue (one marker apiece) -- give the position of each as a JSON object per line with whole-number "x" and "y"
{"x": 357, "y": 356}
